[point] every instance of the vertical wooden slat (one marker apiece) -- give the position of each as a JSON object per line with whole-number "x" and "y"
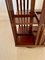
{"x": 21, "y": 6}
{"x": 24, "y": 11}
{"x": 27, "y": 11}
{"x": 32, "y": 11}
{"x": 11, "y": 13}
{"x": 17, "y": 6}
{"x": 32, "y": 5}
{"x": 17, "y": 3}
{"x": 24, "y": 5}
{"x": 42, "y": 21}
{"x": 27, "y": 6}
{"x": 21, "y": 12}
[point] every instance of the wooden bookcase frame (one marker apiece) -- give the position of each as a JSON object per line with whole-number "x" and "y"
{"x": 10, "y": 10}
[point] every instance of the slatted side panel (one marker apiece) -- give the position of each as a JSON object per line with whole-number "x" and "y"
{"x": 24, "y": 12}
{"x": 22, "y": 20}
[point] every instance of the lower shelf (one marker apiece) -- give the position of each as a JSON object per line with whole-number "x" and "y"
{"x": 25, "y": 40}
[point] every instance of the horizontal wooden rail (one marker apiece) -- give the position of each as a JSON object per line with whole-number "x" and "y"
{"x": 25, "y": 34}
{"x": 38, "y": 12}
{"x": 29, "y": 15}
{"x": 26, "y": 23}
{"x": 21, "y": 34}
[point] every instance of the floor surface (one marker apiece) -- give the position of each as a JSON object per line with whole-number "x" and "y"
{"x": 8, "y": 51}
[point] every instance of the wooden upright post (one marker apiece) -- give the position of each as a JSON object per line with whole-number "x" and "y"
{"x": 42, "y": 22}
{"x": 11, "y": 14}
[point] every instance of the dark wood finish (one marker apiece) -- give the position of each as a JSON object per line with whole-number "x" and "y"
{"x": 17, "y": 6}
{"x": 27, "y": 8}
{"x": 25, "y": 36}
{"x": 24, "y": 5}
{"x": 21, "y": 6}
{"x": 25, "y": 40}
{"x": 21, "y": 10}
{"x": 29, "y": 15}
{"x": 24, "y": 11}
{"x": 32, "y": 11}
{"x": 18, "y": 10}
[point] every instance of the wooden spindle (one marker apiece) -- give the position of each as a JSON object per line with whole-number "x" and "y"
{"x": 21, "y": 6}
{"x": 32, "y": 11}
{"x": 17, "y": 3}
{"x": 21, "y": 12}
{"x": 27, "y": 8}
{"x": 24, "y": 11}
{"x": 27, "y": 11}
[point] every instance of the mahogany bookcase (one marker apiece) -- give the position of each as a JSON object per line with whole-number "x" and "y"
{"x": 26, "y": 25}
